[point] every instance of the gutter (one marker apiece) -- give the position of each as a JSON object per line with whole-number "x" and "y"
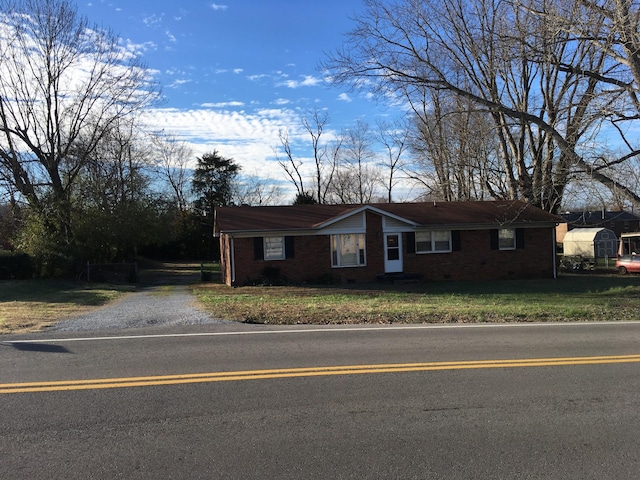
{"x": 440, "y": 226}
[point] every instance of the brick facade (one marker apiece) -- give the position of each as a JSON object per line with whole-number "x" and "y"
{"x": 477, "y": 261}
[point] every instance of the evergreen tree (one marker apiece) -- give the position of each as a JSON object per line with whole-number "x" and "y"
{"x": 213, "y": 182}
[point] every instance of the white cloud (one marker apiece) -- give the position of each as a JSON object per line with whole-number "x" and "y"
{"x": 139, "y": 48}
{"x": 249, "y": 138}
{"x": 178, "y": 82}
{"x": 253, "y": 78}
{"x": 217, "y": 7}
{"x": 344, "y": 97}
{"x": 175, "y": 71}
{"x": 307, "y": 81}
{"x": 282, "y": 101}
{"x": 222, "y": 104}
{"x": 152, "y": 20}
{"x": 238, "y": 70}
{"x": 170, "y": 36}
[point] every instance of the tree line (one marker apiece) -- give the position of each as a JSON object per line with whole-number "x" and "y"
{"x": 505, "y": 99}
{"x": 509, "y": 98}
{"x": 82, "y": 177}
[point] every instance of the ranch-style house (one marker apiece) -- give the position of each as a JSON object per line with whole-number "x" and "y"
{"x": 477, "y": 240}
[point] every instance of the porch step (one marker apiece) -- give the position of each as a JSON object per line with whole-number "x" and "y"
{"x": 399, "y": 277}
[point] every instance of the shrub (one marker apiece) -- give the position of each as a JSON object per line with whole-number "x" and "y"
{"x": 15, "y": 265}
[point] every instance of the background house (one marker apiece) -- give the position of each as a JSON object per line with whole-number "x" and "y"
{"x": 619, "y": 222}
{"x": 359, "y": 243}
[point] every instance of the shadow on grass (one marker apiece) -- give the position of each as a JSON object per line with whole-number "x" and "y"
{"x": 565, "y": 283}
{"x": 59, "y": 291}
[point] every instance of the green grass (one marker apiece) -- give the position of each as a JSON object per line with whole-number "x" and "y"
{"x": 580, "y": 297}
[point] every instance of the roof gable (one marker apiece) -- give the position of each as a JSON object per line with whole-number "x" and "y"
{"x": 362, "y": 209}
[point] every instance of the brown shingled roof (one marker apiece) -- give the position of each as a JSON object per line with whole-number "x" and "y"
{"x": 473, "y": 212}
{"x": 450, "y": 214}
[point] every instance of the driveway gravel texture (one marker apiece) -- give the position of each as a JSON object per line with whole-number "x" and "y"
{"x": 141, "y": 309}
{"x": 166, "y": 301}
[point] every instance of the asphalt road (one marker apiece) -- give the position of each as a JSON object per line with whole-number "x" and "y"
{"x": 249, "y": 402}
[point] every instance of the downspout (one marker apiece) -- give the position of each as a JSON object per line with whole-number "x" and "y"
{"x": 555, "y": 263}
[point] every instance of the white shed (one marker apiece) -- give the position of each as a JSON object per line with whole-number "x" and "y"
{"x": 590, "y": 243}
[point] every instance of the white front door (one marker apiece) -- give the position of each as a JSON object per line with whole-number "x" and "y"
{"x": 392, "y": 252}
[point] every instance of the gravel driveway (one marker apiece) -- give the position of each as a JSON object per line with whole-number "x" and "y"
{"x": 166, "y": 302}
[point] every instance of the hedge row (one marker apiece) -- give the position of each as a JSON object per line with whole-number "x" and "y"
{"x": 15, "y": 266}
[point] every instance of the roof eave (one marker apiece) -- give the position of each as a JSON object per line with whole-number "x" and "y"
{"x": 260, "y": 233}
{"x": 441, "y": 226}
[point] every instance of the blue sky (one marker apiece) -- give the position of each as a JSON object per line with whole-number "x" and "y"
{"x": 235, "y": 72}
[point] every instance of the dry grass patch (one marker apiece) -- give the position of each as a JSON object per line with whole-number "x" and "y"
{"x": 32, "y": 305}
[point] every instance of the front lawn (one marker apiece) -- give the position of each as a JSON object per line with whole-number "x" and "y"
{"x": 31, "y": 305}
{"x": 579, "y": 297}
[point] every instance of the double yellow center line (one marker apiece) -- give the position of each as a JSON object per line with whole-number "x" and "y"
{"x": 90, "y": 384}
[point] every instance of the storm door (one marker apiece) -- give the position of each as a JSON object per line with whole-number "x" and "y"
{"x": 392, "y": 252}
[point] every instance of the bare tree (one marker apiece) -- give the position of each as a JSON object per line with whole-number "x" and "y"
{"x": 325, "y": 163}
{"x": 172, "y": 158}
{"x": 291, "y": 166}
{"x": 394, "y": 137}
{"x": 357, "y": 164}
{"x": 112, "y": 205}
{"x": 63, "y": 86}
{"x": 507, "y": 60}
{"x": 613, "y": 28}
{"x": 252, "y": 190}
{"x": 456, "y": 148}
{"x": 325, "y": 157}
{"x": 344, "y": 188}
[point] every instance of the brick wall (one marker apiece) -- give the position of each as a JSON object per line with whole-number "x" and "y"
{"x": 311, "y": 264}
{"x": 561, "y": 231}
{"x": 474, "y": 261}
{"x": 477, "y": 261}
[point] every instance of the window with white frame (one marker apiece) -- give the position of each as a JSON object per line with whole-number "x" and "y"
{"x": 347, "y": 250}
{"x": 273, "y": 248}
{"x": 433, "y": 241}
{"x": 507, "y": 239}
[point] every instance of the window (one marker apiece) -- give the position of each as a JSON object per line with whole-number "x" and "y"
{"x": 273, "y": 248}
{"x": 506, "y": 239}
{"x": 433, "y": 241}
{"x": 393, "y": 247}
{"x": 347, "y": 250}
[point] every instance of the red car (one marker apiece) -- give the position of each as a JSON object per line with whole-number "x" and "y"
{"x": 628, "y": 264}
